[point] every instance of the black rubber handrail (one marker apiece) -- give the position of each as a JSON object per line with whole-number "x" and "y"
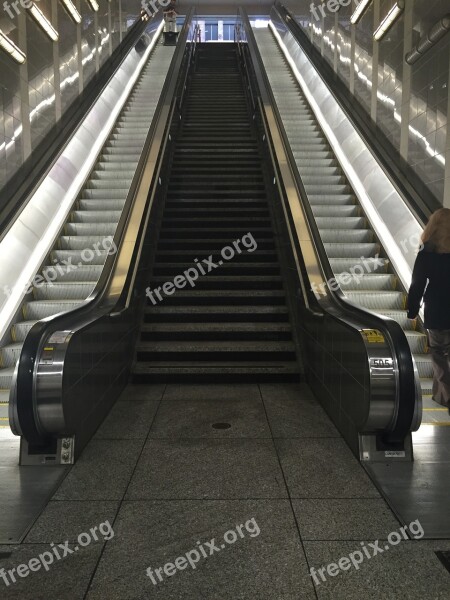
{"x": 419, "y": 198}
{"x": 95, "y": 306}
{"x": 18, "y": 190}
{"x": 392, "y": 330}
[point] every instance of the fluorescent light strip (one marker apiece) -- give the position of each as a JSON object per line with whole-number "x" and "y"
{"x": 389, "y": 20}
{"x": 43, "y": 22}
{"x": 72, "y": 10}
{"x": 49, "y": 238}
{"x": 359, "y": 11}
{"x": 9, "y": 46}
{"x": 93, "y": 4}
{"x": 394, "y": 251}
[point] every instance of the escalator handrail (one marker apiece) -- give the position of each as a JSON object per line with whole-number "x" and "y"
{"x": 394, "y": 333}
{"x": 97, "y": 304}
{"x": 14, "y": 205}
{"x": 123, "y": 304}
{"x": 422, "y": 207}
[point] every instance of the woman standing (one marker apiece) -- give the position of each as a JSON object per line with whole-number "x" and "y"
{"x": 431, "y": 282}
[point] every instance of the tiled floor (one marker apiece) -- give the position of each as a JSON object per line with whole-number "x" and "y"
{"x": 242, "y": 512}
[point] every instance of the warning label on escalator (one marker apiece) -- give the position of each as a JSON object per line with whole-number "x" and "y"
{"x": 373, "y": 336}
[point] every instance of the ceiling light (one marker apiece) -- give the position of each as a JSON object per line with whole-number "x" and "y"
{"x": 72, "y": 10}
{"x": 359, "y": 11}
{"x": 9, "y": 46}
{"x": 43, "y": 22}
{"x": 93, "y": 4}
{"x": 389, "y": 20}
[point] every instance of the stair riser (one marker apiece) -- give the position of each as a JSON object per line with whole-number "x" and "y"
{"x": 253, "y": 336}
{"x": 216, "y": 377}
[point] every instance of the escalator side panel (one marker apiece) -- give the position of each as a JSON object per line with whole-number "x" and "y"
{"x": 361, "y": 264}
{"x": 74, "y": 265}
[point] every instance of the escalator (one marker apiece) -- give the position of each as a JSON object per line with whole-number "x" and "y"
{"x": 210, "y": 281}
{"x": 75, "y": 263}
{"x": 349, "y": 240}
{"x": 231, "y": 323}
{"x": 213, "y": 277}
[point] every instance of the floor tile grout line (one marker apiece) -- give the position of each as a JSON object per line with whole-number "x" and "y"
{"x": 121, "y": 501}
{"x": 289, "y": 495}
{"x": 241, "y": 498}
{"x": 211, "y": 437}
{"x": 366, "y": 538}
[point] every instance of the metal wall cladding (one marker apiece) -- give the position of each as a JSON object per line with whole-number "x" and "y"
{"x": 34, "y": 96}
{"x": 409, "y": 104}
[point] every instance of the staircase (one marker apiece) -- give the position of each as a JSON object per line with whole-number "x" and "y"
{"x": 232, "y": 324}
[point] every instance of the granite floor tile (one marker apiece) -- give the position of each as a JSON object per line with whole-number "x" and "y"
{"x": 128, "y": 422}
{"x": 65, "y": 579}
{"x": 102, "y": 472}
{"x": 408, "y": 570}
{"x": 344, "y": 519}
{"x": 265, "y": 562}
{"x": 195, "y": 419}
{"x": 293, "y": 412}
{"x": 323, "y": 468}
{"x": 194, "y": 469}
{"x": 218, "y": 392}
{"x": 63, "y": 521}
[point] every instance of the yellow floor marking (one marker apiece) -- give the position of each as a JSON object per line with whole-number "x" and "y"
{"x": 444, "y": 409}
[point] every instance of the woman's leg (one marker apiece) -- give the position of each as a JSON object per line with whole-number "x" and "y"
{"x": 439, "y": 342}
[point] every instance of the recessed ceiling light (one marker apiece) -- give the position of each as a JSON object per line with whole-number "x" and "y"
{"x": 72, "y": 10}
{"x": 359, "y": 11}
{"x": 93, "y": 4}
{"x": 389, "y": 20}
{"x": 9, "y": 46}
{"x": 43, "y": 22}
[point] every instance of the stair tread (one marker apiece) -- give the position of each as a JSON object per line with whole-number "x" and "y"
{"x": 240, "y": 365}
{"x": 226, "y": 293}
{"x": 210, "y": 346}
{"x": 214, "y": 327}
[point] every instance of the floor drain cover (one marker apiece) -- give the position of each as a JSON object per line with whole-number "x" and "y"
{"x": 444, "y": 557}
{"x": 221, "y": 425}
